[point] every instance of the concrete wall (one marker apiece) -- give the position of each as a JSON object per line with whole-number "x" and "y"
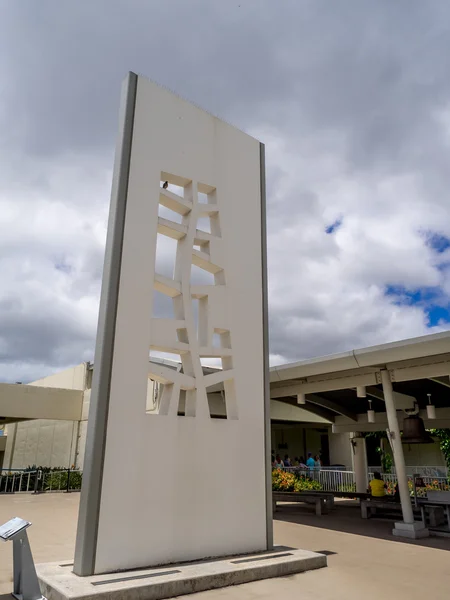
{"x": 420, "y": 454}
{"x": 49, "y": 443}
{"x": 43, "y": 443}
{"x": 195, "y": 499}
{"x": 340, "y": 449}
{"x": 69, "y": 379}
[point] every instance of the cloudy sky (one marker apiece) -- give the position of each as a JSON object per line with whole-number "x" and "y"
{"x": 352, "y": 99}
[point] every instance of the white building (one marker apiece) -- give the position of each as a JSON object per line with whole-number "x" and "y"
{"x": 418, "y": 367}
{"x": 56, "y": 441}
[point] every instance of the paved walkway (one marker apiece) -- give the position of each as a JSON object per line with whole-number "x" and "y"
{"x": 366, "y": 561}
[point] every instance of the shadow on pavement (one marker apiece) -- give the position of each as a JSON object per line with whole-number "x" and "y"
{"x": 347, "y": 519}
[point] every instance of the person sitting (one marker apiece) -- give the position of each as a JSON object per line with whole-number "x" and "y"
{"x": 287, "y": 461}
{"x": 377, "y": 487}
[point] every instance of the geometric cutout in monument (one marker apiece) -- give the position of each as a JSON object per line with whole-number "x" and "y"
{"x": 202, "y": 260}
{"x": 217, "y": 340}
{"x": 183, "y": 335}
{"x": 162, "y": 306}
{"x": 230, "y": 399}
{"x": 166, "y": 250}
{"x": 175, "y": 202}
{"x": 195, "y": 310}
{"x": 166, "y": 213}
{"x": 167, "y": 286}
{"x": 172, "y": 229}
{"x": 175, "y": 180}
{"x": 201, "y": 277}
{"x": 215, "y": 227}
{"x": 208, "y": 210}
{"x": 217, "y": 405}
{"x": 204, "y": 225}
{"x": 205, "y": 188}
{"x": 152, "y": 404}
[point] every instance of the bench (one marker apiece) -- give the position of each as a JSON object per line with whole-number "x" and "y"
{"x": 321, "y": 501}
{"x": 370, "y": 506}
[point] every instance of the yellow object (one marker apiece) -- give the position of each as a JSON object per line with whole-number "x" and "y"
{"x": 377, "y": 488}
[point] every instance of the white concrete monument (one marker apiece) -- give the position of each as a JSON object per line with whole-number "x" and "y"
{"x": 176, "y": 484}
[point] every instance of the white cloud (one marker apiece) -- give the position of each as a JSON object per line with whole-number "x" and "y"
{"x": 351, "y": 103}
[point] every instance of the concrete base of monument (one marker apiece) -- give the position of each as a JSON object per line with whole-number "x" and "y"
{"x": 58, "y": 582}
{"x": 413, "y": 531}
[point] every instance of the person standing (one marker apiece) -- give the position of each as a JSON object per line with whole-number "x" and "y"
{"x": 278, "y": 462}
{"x": 310, "y": 463}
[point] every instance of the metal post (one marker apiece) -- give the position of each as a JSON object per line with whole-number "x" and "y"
{"x": 26, "y": 585}
{"x": 25, "y": 581}
{"x": 36, "y": 482}
{"x": 399, "y": 458}
{"x": 68, "y": 480}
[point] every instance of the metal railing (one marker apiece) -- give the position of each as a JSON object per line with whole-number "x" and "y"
{"x": 424, "y": 470}
{"x": 335, "y": 481}
{"x": 17, "y": 480}
{"x": 14, "y": 481}
{"x": 437, "y": 483}
{"x": 331, "y": 480}
{"x": 64, "y": 480}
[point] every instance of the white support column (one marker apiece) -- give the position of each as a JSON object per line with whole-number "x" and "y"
{"x": 408, "y": 528}
{"x": 359, "y": 457}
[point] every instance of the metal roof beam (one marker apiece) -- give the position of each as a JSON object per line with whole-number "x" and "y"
{"x": 327, "y": 385}
{"x": 445, "y": 381}
{"x": 334, "y": 406}
{"x": 312, "y": 408}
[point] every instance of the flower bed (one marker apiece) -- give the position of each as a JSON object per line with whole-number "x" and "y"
{"x": 282, "y": 481}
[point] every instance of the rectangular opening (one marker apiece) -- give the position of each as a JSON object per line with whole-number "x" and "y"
{"x": 171, "y": 215}
{"x": 152, "y": 400}
{"x": 168, "y": 184}
{"x": 171, "y": 357}
{"x": 175, "y": 179}
{"x": 217, "y": 405}
{"x": 162, "y": 307}
{"x": 216, "y": 341}
{"x": 166, "y": 251}
{"x": 201, "y": 277}
{"x": 182, "y": 335}
{"x": 204, "y": 224}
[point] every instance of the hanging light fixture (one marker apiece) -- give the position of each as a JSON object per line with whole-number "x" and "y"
{"x": 301, "y": 399}
{"x": 361, "y": 391}
{"x": 370, "y": 413}
{"x": 431, "y": 409}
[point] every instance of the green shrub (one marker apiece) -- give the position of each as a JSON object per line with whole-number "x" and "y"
{"x": 305, "y": 484}
{"x": 57, "y": 480}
